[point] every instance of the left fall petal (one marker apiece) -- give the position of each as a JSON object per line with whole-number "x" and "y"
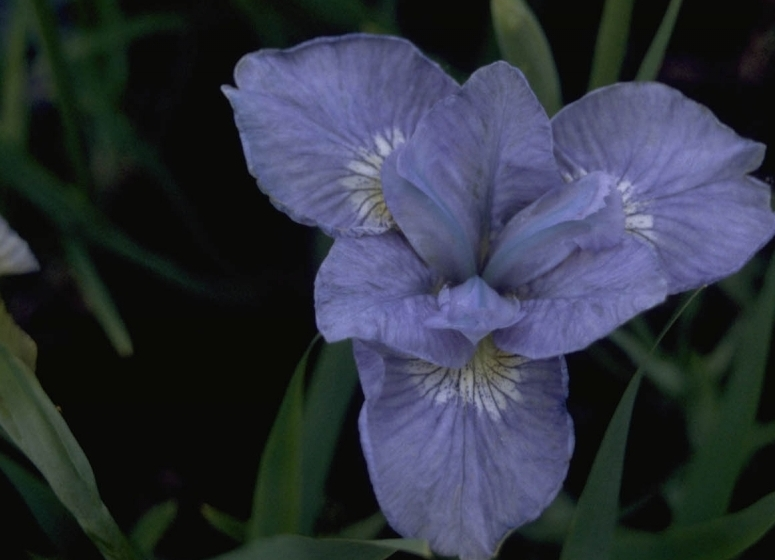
{"x": 316, "y": 122}
{"x": 682, "y": 176}
{"x": 376, "y": 288}
{"x": 583, "y": 299}
{"x": 460, "y": 457}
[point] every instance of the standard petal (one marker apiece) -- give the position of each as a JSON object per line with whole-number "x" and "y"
{"x": 585, "y": 214}
{"x": 15, "y": 254}
{"x": 681, "y": 175}
{"x": 317, "y": 121}
{"x": 462, "y": 456}
{"x": 377, "y": 289}
{"x": 583, "y": 299}
{"x": 476, "y": 158}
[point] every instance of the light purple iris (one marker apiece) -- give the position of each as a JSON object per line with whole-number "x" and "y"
{"x": 476, "y": 242}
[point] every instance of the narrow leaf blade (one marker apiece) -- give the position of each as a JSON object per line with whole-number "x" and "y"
{"x": 712, "y": 473}
{"x": 34, "y": 424}
{"x": 97, "y": 296}
{"x": 652, "y": 62}
{"x": 224, "y": 523}
{"x": 294, "y": 547}
{"x": 153, "y": 525}
{"x": 611, "y": 45}
{"x": 278, "y": 493}
{"x": 721, "y": 538}
{"x": 592, "y": 529}
{"x": 522, "y": 42}
{"x": 331, "y": 387}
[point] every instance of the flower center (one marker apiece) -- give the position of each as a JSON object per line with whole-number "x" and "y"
{"x": 635, "y": 221}
{"x": 363, "y": 181}
{"x": 487, "y": 382}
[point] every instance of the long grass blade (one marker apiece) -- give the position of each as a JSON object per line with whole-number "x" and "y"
{"x": 713, "y": 472}
{"x": 611, "y": 45}
{"x": 522, "y": 42}
{"x": 652, "y": 62}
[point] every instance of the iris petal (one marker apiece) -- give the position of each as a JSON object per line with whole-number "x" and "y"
{"x": 583, "y": 299}
{"x": 582, "y": 215}
{"x": 681, "y": 175}
{"x": 317, "y": 121}
{"x": 462, "y": 456}
{"x": 474, "y": 309}
{"x": 476, "y": 158}
{"x": 15, "y": 255}
{"x": 377, "y": 289}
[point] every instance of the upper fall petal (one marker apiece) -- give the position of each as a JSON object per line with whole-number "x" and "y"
{"x": 462, "y": 456}
{"x": 475, "y": 159}
{"x": 316, "y": 122}
{"x": 682, "y": 176}
{"x": 15, "y": 255}
{"x": 376, "y": 288}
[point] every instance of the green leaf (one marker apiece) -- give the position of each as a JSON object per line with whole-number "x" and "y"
{"x": 721, "y": 538}
{"x": 652, "y": 62}
{"x": 293, "y": 547}
{"x": 345, "y": 14}
{"x": 522, "y": 43}
{"x": 664, "y": 373}
{"x": 278, "y": 494}
{"x": 97, "y": 296}
{"x": 367, "y": 528}
{"x": 331, "y": 387}
{"x": 611, "y": 44}
{"x": 224, "y": 523}
{"x": 592, "y": 529}
{"x": 153, "y": 525}
{"x": 52, "y": 517}
{"x": 14, "y": 111}
{"x": 267, "y": 22}
{"x": 712, "y": 473}
{"x": 33, "y": 423}
{"x": 591, "y": 533}
{"x": 16, "y": 341}
{"x": 66, "y": 100}
{"x": 74, "y": 215}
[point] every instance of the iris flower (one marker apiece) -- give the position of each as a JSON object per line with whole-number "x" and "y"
{"x": 476, "y": 243}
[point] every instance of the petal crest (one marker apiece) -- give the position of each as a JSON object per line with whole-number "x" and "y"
{"x": 474, "y": 309}
{"x": 681, "y": 175}
{"x": 316, "y": 122}
{"x": 461, "y": 457}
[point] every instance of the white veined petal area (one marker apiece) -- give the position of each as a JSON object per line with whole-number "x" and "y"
{"x": 460, "y": 457}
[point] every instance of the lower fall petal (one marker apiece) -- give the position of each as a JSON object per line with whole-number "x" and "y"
{"x": 460, "y": 457}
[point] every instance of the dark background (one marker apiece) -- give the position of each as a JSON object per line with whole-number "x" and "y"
{"x": 185, "y": 417}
